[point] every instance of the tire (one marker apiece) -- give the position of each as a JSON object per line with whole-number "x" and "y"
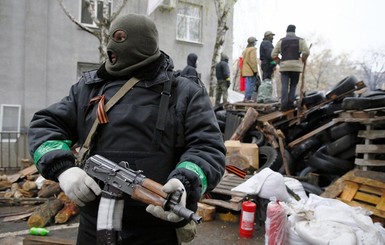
{"x": 221, "y": 115}
{"x": 342, "y": 129}
{"x": 323, "y": 162}
{"x": 303, "y": 148}
{"x": 345, "y": 85}
{"x": 311, "y": 189}
{"x": 268, "y": 158}
{"x": 324, "y": 179}
{"x": 254, "y": 137}
{"x": 361, "y": 103}
{"x": 348, "y": 154}
{"x": 341, "y": 144}
{"x": 313, "y": 98}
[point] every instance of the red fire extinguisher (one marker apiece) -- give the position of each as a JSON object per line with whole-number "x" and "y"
{"x": 246, "y": 228}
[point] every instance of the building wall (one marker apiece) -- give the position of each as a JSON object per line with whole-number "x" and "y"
{"x": 41, "y": 48}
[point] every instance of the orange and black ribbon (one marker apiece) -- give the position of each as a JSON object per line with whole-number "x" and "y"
{"x": 238, "y": 172}
{"x": 102, "y": 115}
{"x": 101, "y": 112}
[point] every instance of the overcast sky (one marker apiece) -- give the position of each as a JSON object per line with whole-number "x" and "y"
{"x": 351, "y": 26}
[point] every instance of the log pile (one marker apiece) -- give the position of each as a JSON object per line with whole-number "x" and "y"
{"x": 46, "y": 202}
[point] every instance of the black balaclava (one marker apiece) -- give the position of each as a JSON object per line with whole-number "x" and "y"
{"x": 192, "y": 60}
{"x": 133, "y": 44}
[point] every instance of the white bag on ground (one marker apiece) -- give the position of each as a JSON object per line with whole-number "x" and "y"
{"x": 265, "y": 184}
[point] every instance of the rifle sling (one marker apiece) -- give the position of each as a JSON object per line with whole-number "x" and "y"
{"x": 122, "y": 91}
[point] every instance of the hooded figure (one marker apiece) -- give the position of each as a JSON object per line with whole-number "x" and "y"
{"x": 190, "y": 70}
{"x": 222, "y": 73}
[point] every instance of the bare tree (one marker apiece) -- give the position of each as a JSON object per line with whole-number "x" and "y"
{"x": 102, "y": 22}
{"x": 373, "y": 68}
{"x": 223, "y": 8}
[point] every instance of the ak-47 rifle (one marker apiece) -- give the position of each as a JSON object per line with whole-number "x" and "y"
{"x": 119, "y": 178}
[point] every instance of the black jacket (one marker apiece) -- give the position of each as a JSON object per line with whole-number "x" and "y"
{"x": 265, "y": 50}
{"x": 222, "y": 70}
{"x": 191, "y": 132}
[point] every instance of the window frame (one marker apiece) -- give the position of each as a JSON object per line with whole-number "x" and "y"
{"x": 189, "y": 17}
{"x": 93, "y": 25}
{"x": 17, "y": 119}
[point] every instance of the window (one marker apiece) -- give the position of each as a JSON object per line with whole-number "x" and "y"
{"x": 97, "y": 6}
{"x": 189, "y": 22}
{"x": 10, "y": 122}
{"x": 83, "y": 66}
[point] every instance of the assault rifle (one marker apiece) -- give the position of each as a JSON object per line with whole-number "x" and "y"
{"x": 119, "y": 179}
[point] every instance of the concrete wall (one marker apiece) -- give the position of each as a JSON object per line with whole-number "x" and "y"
{"x": 40, "y": 48}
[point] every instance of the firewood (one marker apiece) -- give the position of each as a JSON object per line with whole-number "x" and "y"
{"x": 49, "y": 189}
{"x": 248, "y": 120}
{"x": 63, "y": 197}
{"x": 70, "y": 209}
{"x": 23, "y": 193}
{"x": 5, "y": 184}
{"x": 29, "y": 185}
{"x": 43, "y": 214}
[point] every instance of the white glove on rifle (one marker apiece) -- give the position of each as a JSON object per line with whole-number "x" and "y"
{"x": 170, "y": 187}
{"x": 78, "y": 186}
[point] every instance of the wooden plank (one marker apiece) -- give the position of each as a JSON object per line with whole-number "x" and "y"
{"x": 370, "y": 148}
{"x": 373, "y": 175}
{"x": 361, "y": 120}
{"x": 228, "y": 192}
{"x": 381, "y": 204}
{"x": 274, "y": 115}
{"x": 369, "y": 162}
{"x": 372, "y": 190}
{"x": 356, "y": 177}
{"x": 377, "y": 212}
{"x": 371, "y": 134}
{"x": 312, "y": 133}
{"x": 349, "y": 191}
{"x": 367, "y": 198}
{"x": 39, "y": 240}
{"x": 221, "y": 203}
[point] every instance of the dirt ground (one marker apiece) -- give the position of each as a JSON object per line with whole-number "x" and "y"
{"x": 216, "y": 232}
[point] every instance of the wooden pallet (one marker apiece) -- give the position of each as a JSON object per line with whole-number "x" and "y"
{"x": 369, "y": 150}
{"x": 234, "y": 199}
{"x": 366, "y": 152}
{"x": 260, "y": 107}
{"x": 361, "y": 188}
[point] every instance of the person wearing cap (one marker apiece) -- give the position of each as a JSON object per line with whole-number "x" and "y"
{"x": 164, "y": 126}
{"x": 222, "y": 73}
{"x": 249, "y": 69}
{"x": 265, "y": 91}
{"x": 290, "y": 53}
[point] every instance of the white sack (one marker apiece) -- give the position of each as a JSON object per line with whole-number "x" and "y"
{"x": 266, "y": 184}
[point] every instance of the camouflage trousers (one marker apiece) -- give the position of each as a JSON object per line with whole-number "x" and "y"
{"x": 265, "y": 91}
{"x": 221, "y": 91}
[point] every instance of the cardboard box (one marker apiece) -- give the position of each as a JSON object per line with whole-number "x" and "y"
{"x": 242, "y": 155}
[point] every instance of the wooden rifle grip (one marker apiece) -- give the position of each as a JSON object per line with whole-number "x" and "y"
{"x": 146, "y": 196}
{"x": 154, "y": 187}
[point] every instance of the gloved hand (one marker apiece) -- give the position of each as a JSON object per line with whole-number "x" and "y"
{"x": 78, "y": 186}
{"x": 171, "y": 186}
